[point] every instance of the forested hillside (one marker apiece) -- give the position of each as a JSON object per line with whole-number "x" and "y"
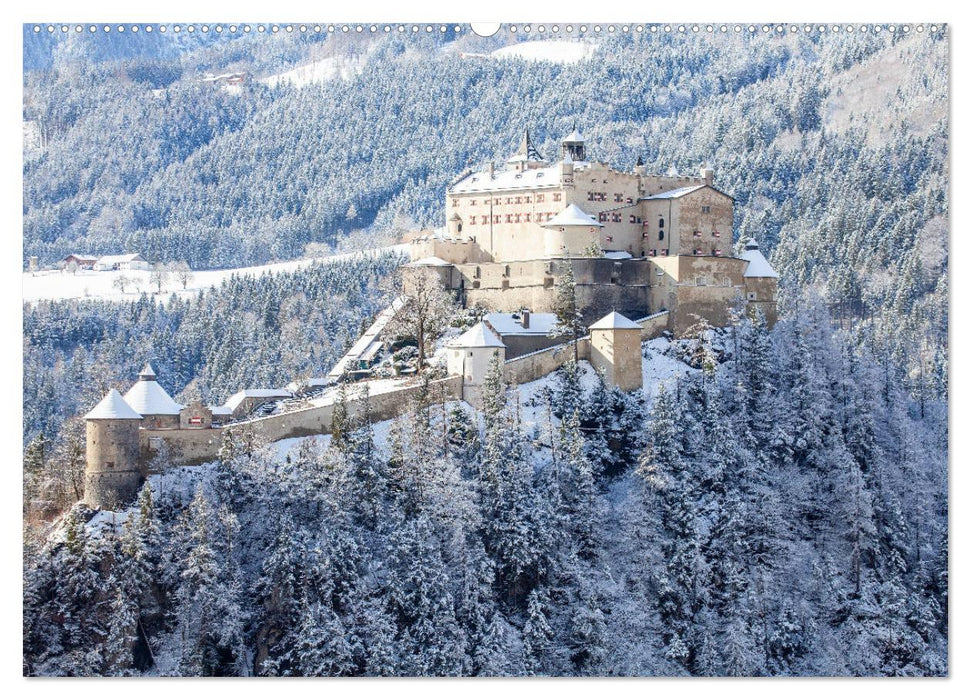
{"x": 782, "y": 511}
{"x": 834, "y": 145}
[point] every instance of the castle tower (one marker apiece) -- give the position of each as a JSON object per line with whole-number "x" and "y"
{"x": 761, "y": 282}
{"x": 149, "y": 399}
{"x": 469, "y": 355}
{"x": 708, "y": 174}
{"x": 573, "y": 145}
{"x": 571, "y": 232}
{"x": 112, "y": 476}
{"x": 615, "y": 349}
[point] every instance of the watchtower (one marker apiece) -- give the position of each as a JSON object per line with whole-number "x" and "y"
{"x": 112, "y": 476}
{"x": 615, "y": 348}
{"x": 469, "y": 355}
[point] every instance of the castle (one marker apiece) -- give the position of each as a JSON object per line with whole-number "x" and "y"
{"x": 649, "y": 254}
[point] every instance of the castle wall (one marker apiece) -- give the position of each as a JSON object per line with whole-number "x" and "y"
{"x": 760, "y": 293}
{"x": 196, "y": 446}
{"x": 654, "y": 325}
{"x": 531, "y": 367}
{"x": 602, "y": 285}
{"x": 112, "y": 474}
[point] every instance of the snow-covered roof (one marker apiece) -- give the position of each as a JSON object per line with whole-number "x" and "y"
{"x": 478, "y": 336}
{"x": 113, "y": 406}
{"x": 574, "y": 137}
{"x": 512, "y": 324}
{"x": 147, "y": 372}
{"x": 81, "y": 256}
{"x": 617, "y": 255}
{"x": 572, "y": 216}
{"x": 757, "y": 266}
{"x": 148, "y": 397}
{"x": 113, "y": 259}
{"x": 509, "y": 180}
{"x": 429, "y": 262}
{"x": 221, "y": 410}
{"x": 674, "y": 194}
{"x": 612, "y": 321}
{"x": 236, "y": 399}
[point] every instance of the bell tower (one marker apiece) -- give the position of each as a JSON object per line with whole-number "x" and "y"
{"x": 573, "y": 146}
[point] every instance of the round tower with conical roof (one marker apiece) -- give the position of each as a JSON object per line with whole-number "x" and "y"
{"x": 152, "y": 402}
{"x": 112, "y": 475}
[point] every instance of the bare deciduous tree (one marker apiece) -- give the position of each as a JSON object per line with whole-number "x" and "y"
{"x": 428, "y": 310}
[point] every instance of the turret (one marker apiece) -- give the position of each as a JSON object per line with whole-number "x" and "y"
{"x": 148, "y": 398}
{"x": 707, "y": 174}
{"x": 615, "y": 349}
{"x": 639, "y": 169}
{"x": 573, "y": 145}
{"x": 571, "y": 232}
{"x": 112, "y": 476}
{"x": 470, "y": 355}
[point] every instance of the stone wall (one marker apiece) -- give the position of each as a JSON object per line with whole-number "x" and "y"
{"x": 196, "y": 446}
{"x": 528, "y": 368}
{"x": 653, "y": 326}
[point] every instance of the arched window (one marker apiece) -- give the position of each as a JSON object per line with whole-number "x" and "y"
{"x": 660, "y": 235}
{"x": 660, "y": 223}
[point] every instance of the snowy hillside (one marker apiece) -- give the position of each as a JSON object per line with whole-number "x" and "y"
{"x": 94, "y": 284}
{"x": 554, "y": 51}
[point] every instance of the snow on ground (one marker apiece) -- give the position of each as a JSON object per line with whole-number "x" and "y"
{"x": 96, "y": 284}
{"x": 658, "y": 368}
{"x": 318, "y": 71}
{"x": 557, "y": 51}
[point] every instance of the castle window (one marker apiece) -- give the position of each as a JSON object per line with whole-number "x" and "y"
{"x": 717, "y": 251}
{"x": 529, "y": 200}
{"x": 716, "y": 234}
{"x": 589, "y": 196}
{"x": 540, "y": 198}
{"x": 472, "y": 202}
{"x": 666, "y": 251}
{"x": 557, "y": 196}
{"x": 602, "y": 217}
{"x": 660, "y": 235}
{"x": 697, "y": 234}
{"x": 519, "y": 200}
{"x": 618, "y": 197}
{"x": 751, "y": 296}
{"x": 633, "y": 219}
{"x": 508, "y": 218}
{"x": 455, "y": 202}
{"x": 527, "y": 217}
{"x": 478, "y": 272}
{"x": 109, "y": 465}
{"x": 660, "y": 224}
{"x": 630, "y": 200}
{"x": 472, "y": 220}
{"x": 459, "y": 228}
{"x": 505, "y": 272}
{"x": 706, "y": 210}
{"x": 645, "y": 235}
{"x": 516, "y": 218}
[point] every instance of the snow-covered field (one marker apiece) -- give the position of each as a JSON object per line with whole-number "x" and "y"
{"x": 91, "y": 284}
{"x": 554, "y": 51}
{"x": 317, "y": 71}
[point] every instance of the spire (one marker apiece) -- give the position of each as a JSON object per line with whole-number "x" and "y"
{"x": 147, "y": 373}
{"x": 640, "y": 161}
{"x": 528, "y": 149}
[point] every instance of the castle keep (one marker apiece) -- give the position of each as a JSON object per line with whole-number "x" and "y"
{"x": 649, "y": 255}
{"x": 636, "y": 243}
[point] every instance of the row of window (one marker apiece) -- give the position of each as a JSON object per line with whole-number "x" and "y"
{"x": 602, "y": 197}
{"x": 483, "y": 219}
{"x": 519, "y": 199}
{"x": 660, "y": 235}
{"x": 714, "y": 234}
